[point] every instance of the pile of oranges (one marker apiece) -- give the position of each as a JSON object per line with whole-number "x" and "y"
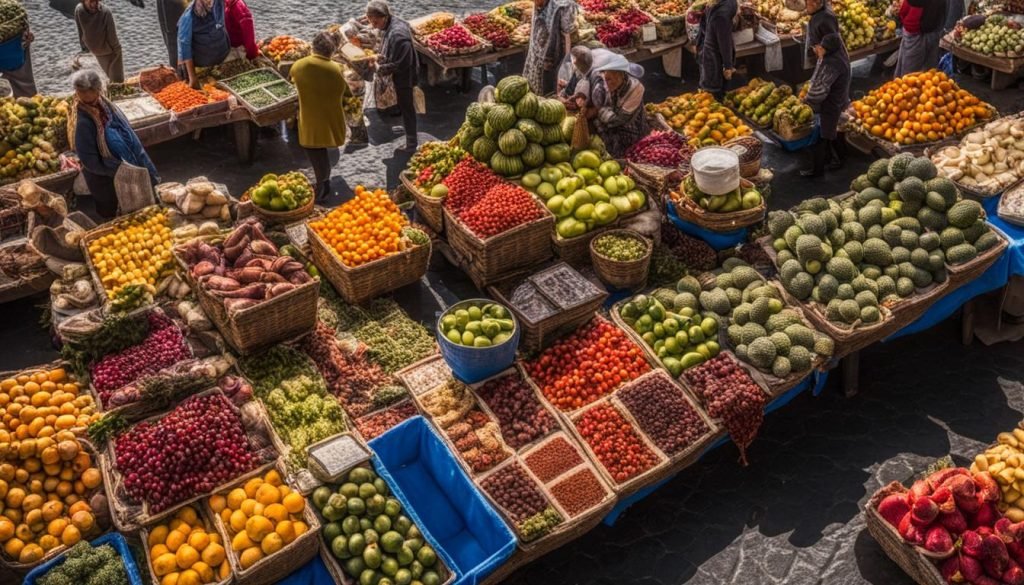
{"x": 184, "y": 552}
{"x": 286, "y": 48}
{"x": 180, "y": 97}
{"x": 46, "y": 477}
{"x": 137, "y": 251}
{"x": 703, "y": 121}
{"x": 261, "y": 517}
{"x": 364, "y": 229}
{"x": 920, "y": 107}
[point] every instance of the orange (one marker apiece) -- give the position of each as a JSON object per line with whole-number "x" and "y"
{"x": 286, "y": 530}
{"x": 273, "y": 478}
{"x": 271, "y": 543}
{"x": 240, "y": 542}
{"x": 251, "y": 486}
{"x": 188, "y": 516}
{"x": 237, "y": 521}
{"x": 250, "y": 557}
{"x": 213, "y": 554}
{"x": 158, "y": 550}
{"x": 186, "y": 556}
{"x": 218, "y": 502}
{"x": 174, "y": 540}
{"x": 199, "y": 539}
{"x": 169, "y": 579}
{"x": 276, "y": 512}
{"x": 258, "y": 527}
{"x": 268, "y": 494}
{"x": 294, "y": 503}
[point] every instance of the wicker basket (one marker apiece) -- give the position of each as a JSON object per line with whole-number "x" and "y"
{"x": 283, "y": 217}
{"x": 496, "y": 257}
{"x": 964, "y": 273}
{"x": 654, "y": 180}
{"x": 279, "y": 565}
{"x": 688, "y": 210}
{"x": 576, "y": 251}
{"x": 913, "y": 560}
{"x": 749, "y": 149}
{"x": 972, "y": 192}
{"x": 1004, "y": 211}
{"x": 618, "y": 274}
{"x": 370, "y": 280}
{"x": 430, "y": 209}
{"x": 26, "y": 287}
{"x": 207, "y": 519}
{"x": 60, "y": 182}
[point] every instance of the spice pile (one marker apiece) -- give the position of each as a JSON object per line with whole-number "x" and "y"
{"x": 376, "y": 424}
{"x": 473, "y": 434}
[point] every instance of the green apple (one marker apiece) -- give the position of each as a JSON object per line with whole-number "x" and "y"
{"x": 609, "y": 168}
{"x": 636, "y": 198}
{"x": 586, "y": 159}
{"x": 584, "y": 212}
{"x": 545, "y": 190}
{"x": 589, "y": 175}
{"x": 583, "y": 196}
{"x": 622, "y": 204}
{"x": 611, "y": 186}
{"x": 567, "y": 185}
{"x": 551, "y": 175}
{"x": 531, "y": 180}
{"x": 555, "y": 204}
{"x": 570, "y": 228}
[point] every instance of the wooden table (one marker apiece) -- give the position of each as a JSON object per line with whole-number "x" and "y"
{"x": 670, "y": 52}
{"x": 438, "y": 64}
{"x": 1005, "y": 70}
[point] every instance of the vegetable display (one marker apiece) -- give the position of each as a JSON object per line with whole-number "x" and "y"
{"x": 787, "y": 21}
{"x": 394, "y": 340}
{"x": 586, "y": 365}
{"x": 370, "y": 537}
{"x": 700, "y": 118}
{"x": 476, "y": 438}
{"x": 281, "y": 192}
{"x": 136, "y": 251}
{"x": 615, "y": 442}
{"x": 520, "y": 497}
{"x": 621, "y": 30}
{"x": 521, "y": 416}
{"x": 13, "y": 20}
{"x": 34, "y": 131}
{"x": 759, "y": 99}
{"x": 856, "y": 24}
{"x": 185, "y": 550}
{"x": 1002, "y": 461}
{"x": 919, "y": 107}
{"x": 997, "y": 35}
{"x": 48, "y": 479}
{"x": 196, "y": 200}
{"x": 376, "y": 424}
{"x": 453, "y": 39}
{"x": 85, "y": 565}
{"x": 285, "y": 48}
{"x": 620, "y": 248}
{"x": 553, "y": 459}
{"x": 680, "y": 338}
{"x": 660, "y": 148}
{"x": 436, "y": 23}
{"x": 478, "y": 325}
{"x": 163, "y": 346}
{"x": 467, "y": 184}
{"x": 987, "y": 159}
{"x": 578, "y": 492}
{"x": 180, "y": 97}
{"x": 432, "y": 163}
{"x": 368, "y": 227}
{"x": 172, "y": 382}
{"x": 252, "y": 79}
{"x": 664, "y": 414}
{"x": 695, "y": 253}
{"x": 502, "y": 208}
{"x": 736, "y": 200}
{"x": 730, "y": 395}
{"x": 261, "y": 518}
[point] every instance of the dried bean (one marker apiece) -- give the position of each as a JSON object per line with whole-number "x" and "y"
{"x": 523, "y": 419}
{"x": 516, "y": 493}
{"x": 553, "y": 459}
{"x": 579, "y": 492}
{"x": 663, "y": 413}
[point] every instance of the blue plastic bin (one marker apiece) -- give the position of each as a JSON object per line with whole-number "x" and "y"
{"x": 12, "y": 54}
{"x": 114, "y": 539}
{"x": 795, "y": 145}
{"x": 473, "y": 364}
{"x": 470, "y": 536}
{"x": 717, "y": 240}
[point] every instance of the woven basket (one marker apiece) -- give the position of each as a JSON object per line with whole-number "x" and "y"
{"x": 282, "y": 217}
{"x": 279, "y": 565}
{"x": 749, "y": 149}
{"x": 1003, "y": 210}
{"x": 654, "y": 180}
{"x": 430, "y": 209}
{"x": 618, "y": 274}
{"x": 794, "y": 133}
{"x": 26, "y": 287}
{"x": 60, "y": 182}
{"x": 855, "y": 130}
{"x": 915, "y": 561}
{"x": 972, "y": 192}
{"x": 576, "y": 251}
{"x": 362, "y": 283}
{"x": 490, "y": 260}
{"x": 688, "y": 210}
{"x": 206, "y": 517}
{"x": 963, "y": 273}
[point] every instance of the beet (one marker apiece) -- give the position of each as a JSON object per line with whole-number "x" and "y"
{"x": 950, "y": 569}
{"x": 970, "y": 543}
{"x": 924, "y": 511}
{"x": 994, "y": 556}
{"x": 954, "y": 522}
{"x": 893, "y": 508}
{"x": 938, "y": 540}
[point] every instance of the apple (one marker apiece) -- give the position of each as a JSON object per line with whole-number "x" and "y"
{"x": 570, "y": 228}
{"x": 584, "y": 212}
{"x": 590, "y": 176}
{"x": 605, "y": 213}
{"x": 555, "y": 204}
{"x": 545, "y": 190}
{"x": 636, "y": 198}
{"x": 612, "y": 186}
{"x": 531, "y": 180}
{"x": 586, "y": 159}
{"x": 609, "y": 168}
{"x": 622, "y": 204}
{"x": 551, "y": 175}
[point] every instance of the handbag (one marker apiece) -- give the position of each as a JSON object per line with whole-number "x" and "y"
{"x": 133, "y": 187}
{"x": 384, "y": 92}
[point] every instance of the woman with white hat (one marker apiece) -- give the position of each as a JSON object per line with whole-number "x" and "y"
{"x": 618, "y": 106}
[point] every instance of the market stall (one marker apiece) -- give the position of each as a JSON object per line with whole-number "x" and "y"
{"x": 994, "y": 42}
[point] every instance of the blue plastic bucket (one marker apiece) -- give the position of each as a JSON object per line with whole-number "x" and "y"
{"x": 114, "y": 539}
{"x": 12, "y": 54}
{"x": 473, "y": 364}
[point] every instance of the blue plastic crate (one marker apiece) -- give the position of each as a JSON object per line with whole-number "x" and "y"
{"x": 470, "y": 536}
{"x": 717, "y": 240}
{"x": 473, "y": 364}
{"x": 12, "y": 54}
{"x": 114, "y": 539}
{"x": 795, "y": 145}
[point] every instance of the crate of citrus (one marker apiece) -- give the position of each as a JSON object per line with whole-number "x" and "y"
{"x": 186, "y": 549}
{"x": 366, "y": 246}
{"x": 699, "y": 117}
{"x": 52, "y": 488}
{"x": 130, "y": 257}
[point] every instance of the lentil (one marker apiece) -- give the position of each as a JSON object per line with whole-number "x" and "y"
{"x": 578, "y": 492}
{"x": 553, "y": 459}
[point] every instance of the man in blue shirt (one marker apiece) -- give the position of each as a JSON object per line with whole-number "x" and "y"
{"x": 202, "y": 38}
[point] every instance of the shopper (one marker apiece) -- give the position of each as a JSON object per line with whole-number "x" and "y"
{"x": 168, "y": 13}
{"x": 321, "y": 88}
{"x": 97, "y": 33}
{"x": 554, "y": 22}
{"x": 618, "y": 107}
{"x": 23, "y": 83}
{"x": 397, "y": 64}
{"x": 829, "y": 91}
{"x": 103, "y": 140}
{"x": 241, "y": 30}
{"x": 716, "y": 52}
{"x": 923, "y": 22}
{"x": 202, "y": 37}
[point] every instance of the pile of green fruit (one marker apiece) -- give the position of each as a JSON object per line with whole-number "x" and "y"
{"x": 478, "y": 325}
{"x": 681, "y": 337}
{"x": 758, "y": 100}
{"x": 997, "y": 36}
{"x": 13, "y": 20}
{"x": 34, "y": 131}
{"x": 521, "y": 131}
{"x": 282, "y": 192}
{"x": 738, "y": 199}
{"x": 791, "y": 113}
{"x": 621, "y": 248}
{"x": 373, "y": 541}
{"x": 586, "y": 193}
{"x": 432, "y": 163}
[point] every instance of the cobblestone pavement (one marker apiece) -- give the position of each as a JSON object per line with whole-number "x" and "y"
{"x": 792, "y": 516}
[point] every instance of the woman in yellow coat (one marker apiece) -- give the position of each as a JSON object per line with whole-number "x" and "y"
{"x": 321, "y": 88}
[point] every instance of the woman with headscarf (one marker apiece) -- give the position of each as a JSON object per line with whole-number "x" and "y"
{"x": 716, "y": 52}
{"x": 103, "y": 140}
{"x": 202, "y": 37}
{"x": 829, "y": 91}
{"x": 397, "y": 59}
{"x": 554, "y": 21}
{"x": 618, "y": 107}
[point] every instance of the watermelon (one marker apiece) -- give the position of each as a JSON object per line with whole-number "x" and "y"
{"x": 501, "y": 117}
{"x": 468, "y": 135}
{"x": 512, "y": 142}
{"x": 526, "y": 107}
{"x": 475, "y": 114}
{"x": 506, "y": 166}
{"x": 552, "y": 135}
{"x": 511, "y": 89}
{"x": 530, "y": 129}
{"x": 550, "y": 111}
{"x": 483, "y": 149}
{"x": 490, "y": 131}
{"x": 533, "y": 156}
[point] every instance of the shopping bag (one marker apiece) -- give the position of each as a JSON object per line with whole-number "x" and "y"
{"x": 580, "y": 133}
{"x": 419, "y": 101}
{"x": 384, "y": 92}
{"x": 134, "y": 188}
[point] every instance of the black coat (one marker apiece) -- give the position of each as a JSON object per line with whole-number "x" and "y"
{"x": 829, "y": 92}
{"x": 714, "y": 42}
{"x": 397, "y": 54}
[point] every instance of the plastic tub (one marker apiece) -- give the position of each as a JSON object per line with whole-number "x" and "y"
{"x": 716, "y": 170}
{"x": 471, "y": 537}
{"x": 12, "y": 54}
{"x": 473, "y": 364}
{"x": 114, "y": 539}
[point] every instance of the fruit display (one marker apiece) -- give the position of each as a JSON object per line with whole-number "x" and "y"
{"x": 791, "y": 113}
{"x": 758, "y": 100}
{"x": 468, "y": 182}
{"x": 856, "y": 24}
{"x": 740, "y": 199}
{"x": 87, "y": 565}
{"x": 262, "y": 517}
{"x": 195, "y": 200}
{"x": 663, "y": 413}
{"x": 622, "y": 29}
{"x": 454, "y": 39}
{"x": 660, "y": 148}
{"x": 588, "y": 364}
{"x": 578, "y": 492}
{"x": 489, "y": 27}
{"x": 616, "y": 444}
{"x": 135, "y": 251}
{"x": 49, "y": 481}
{"x": 369, "y": 536}
{"x": 170, "y": 383}
{"x": 522, "y": 501}
{"x": 285, "y": 48}
{"x": 680, "y": 339}
{"x": 34, "y": 131}
{"x": 786, "y": 21}
{"x": 180, "y": 97}
{"x": 700, "y": 118}
{"x": 997, "y": 35}
{"x": 663, "y": 8}
{"x": 365, "y": 228}
{"x": 435, "y": 23}
{"x": 475, "y": 437}
{"x": 694, "y": 252}
{"x": 13, "y": 20}
{"x": 163, "y": 346}
{"x": 521, "y": 131}
{"x": 553, "y": 458}
{"x": 149, "y": 459}
{"x": 521, "y": 416}
{"x": 301, "y": 410}
{"x": 729, "y": 394}
{"x": 500, "y": 209}
{"x": 919, "y": 107}
{"x": 586, "y": 193}
{"x": 621, "y": 248}
{"x": 244, "y": 270}
{"x": 432, "y": 163}
{"x": 376, "y": 424}
{"x": 185, "y": 549}
{"x": 987, "y": 159}
{"x": 1002, "y": 461}
{"x": 478, "y": 325}
{"x": 281, "y": 192}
